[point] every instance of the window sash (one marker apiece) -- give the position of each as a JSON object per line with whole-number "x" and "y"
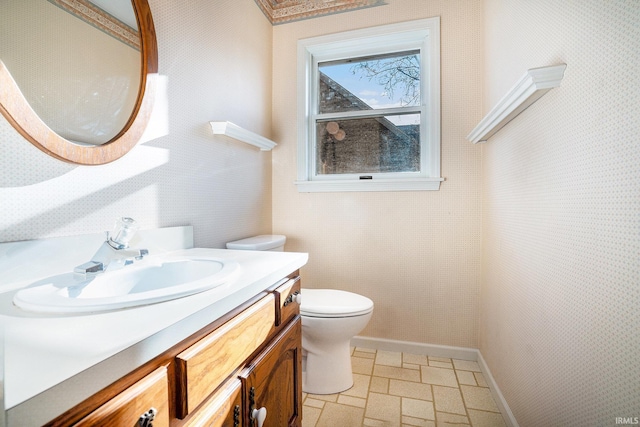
{"x": 403, "y": 55}
{"x": 423, "y": 157}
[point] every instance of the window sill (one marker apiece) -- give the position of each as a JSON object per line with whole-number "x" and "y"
{"x": 424, "y": 184}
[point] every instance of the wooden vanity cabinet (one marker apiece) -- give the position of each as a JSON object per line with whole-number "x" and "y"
{"x": 249, "y": 359}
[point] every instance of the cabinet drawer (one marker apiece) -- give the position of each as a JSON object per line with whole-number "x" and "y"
{"x": 286, "y": 304}
{"x": 126, "y": 408}
{"x": 222, "y": 409}
{"x": 207, "y": 363}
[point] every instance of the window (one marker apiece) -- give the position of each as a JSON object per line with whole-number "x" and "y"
{"x": 369, "y": 109}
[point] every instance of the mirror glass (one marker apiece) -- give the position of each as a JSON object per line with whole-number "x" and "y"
{"x": 77, "y": 64}
{"x": 95, "y": 104}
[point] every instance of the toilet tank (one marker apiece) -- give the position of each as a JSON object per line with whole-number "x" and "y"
{"x": 265, "y": 242}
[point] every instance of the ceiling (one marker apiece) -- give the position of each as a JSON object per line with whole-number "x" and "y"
{"x": 282, "y": 11}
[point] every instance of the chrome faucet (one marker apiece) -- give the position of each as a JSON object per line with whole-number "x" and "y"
{"x": 114, "y": 253}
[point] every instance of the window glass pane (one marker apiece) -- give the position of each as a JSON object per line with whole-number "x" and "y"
{"x": 383, "y": 81}
{"x": 368, "y": 145}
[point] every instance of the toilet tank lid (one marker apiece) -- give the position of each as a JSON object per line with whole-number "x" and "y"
{"x": 258, "y": 243}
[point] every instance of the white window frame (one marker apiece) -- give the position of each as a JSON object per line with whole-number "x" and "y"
{"x": 422, "y": 34}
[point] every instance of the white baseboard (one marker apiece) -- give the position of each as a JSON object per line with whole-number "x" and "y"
{"x": 462, "y": 353}
{"x": 509, "y": 419}
{"x": 451, "y": 352}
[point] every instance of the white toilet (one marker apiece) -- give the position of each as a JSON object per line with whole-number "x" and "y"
{"x": 330, "y": 318}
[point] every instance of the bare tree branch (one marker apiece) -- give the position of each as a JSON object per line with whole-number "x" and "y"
{"x": 400, "y": 73}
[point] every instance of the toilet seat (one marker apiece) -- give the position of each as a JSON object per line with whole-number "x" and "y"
{"x": 331, "y": 303}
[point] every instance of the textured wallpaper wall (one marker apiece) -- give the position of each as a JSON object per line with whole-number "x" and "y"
{"x": 560, "y": 310}
{"x": 212, "y": 69}
{"x": 416, "y": 254}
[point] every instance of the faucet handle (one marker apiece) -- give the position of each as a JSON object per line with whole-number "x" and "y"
{"x": 123, "y": 231}
{"x": 143, "y": 253}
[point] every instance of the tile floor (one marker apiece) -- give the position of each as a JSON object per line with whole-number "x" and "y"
{"x": 399, "y": 389}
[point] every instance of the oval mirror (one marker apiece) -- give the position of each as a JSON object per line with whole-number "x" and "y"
{"x": 77, "y": 77}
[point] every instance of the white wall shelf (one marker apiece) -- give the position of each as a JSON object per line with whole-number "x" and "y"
{"x": 236, "y": 132}
{"x": 535, "y": 83}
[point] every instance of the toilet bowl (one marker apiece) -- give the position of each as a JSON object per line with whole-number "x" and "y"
{"x": 330, "y": 318}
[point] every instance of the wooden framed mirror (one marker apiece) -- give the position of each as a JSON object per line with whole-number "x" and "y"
{"x": 22, "y": 115}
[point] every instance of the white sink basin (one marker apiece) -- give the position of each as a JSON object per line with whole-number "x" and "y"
{"x": 149, "y": 281}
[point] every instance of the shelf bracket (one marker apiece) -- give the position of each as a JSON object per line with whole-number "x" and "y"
{"x": 535, "y": 83}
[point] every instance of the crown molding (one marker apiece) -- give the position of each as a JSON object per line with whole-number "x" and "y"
{"x": 282, "y": 11}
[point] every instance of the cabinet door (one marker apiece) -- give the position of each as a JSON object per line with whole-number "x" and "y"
{"x": 273, "y": 380}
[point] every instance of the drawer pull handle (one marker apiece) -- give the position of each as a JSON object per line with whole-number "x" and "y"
{"x": 259, "y": 415}
{"x": 236, "y": 416}
{"x": 146, "y": 419}
{"x": 294, "y": 297}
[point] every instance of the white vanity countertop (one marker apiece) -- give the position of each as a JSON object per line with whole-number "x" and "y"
{"x": 53, "y": 362}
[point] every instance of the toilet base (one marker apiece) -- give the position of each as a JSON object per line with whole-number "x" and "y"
{"x": 327, "y": 373}
{"x": 326, "y": 348}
